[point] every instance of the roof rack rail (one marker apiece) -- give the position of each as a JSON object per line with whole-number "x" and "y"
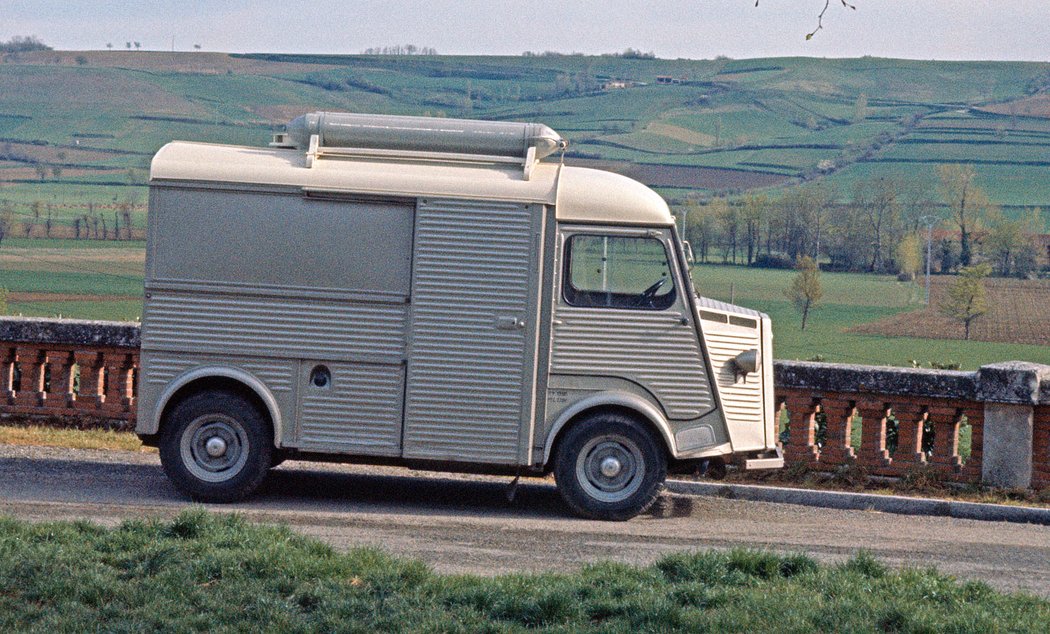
{"x": 425, "y": 139}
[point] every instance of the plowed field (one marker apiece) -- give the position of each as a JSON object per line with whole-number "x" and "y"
{"x": 1018, "y": 312}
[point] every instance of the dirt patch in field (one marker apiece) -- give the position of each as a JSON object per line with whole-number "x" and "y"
{"x": 12, "y": 174}
{"x": 1018, "y": 312}
{"x": 684, "y": 175}
{"x": 678, "y": 133}
{"x": 1034, "y": 106}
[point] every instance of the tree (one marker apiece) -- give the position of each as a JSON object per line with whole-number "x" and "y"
{"x": 965, "y": 299}
{"x": 20, "y": 44}
{"x": 877, "y": 200}
{"x": 109, "y": 45}
{"x": 755, "y": 214}
{"x": 909, "y": 255}
{"x": 805, "y": 291}
{"x": 7, "y": 221}
{"x": 700, "y": 229}
{"x": 966, "y": 202}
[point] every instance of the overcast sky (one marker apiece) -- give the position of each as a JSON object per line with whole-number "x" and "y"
{"x": 919, "y": 29}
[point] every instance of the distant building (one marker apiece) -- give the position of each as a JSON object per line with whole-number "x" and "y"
{"x": 617, "y": 84}
{"x": 667, "y": 79}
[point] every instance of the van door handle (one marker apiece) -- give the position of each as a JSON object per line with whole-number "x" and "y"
{"x": 509, "y": 323}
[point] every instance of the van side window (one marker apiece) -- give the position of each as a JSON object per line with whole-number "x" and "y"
{"x": 618, "y": 272}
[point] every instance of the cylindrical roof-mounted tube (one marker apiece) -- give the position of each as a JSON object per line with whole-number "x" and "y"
{"x": 424, "y": 134}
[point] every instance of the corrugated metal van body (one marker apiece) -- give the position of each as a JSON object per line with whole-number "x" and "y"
{"x": 471, "y": 364}
{"x": 309, "y": 283}
{"x": 742, "y": 399}
{"x": 658, "y": 350}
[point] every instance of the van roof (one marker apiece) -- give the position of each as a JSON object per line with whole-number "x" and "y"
{"x": 579, "y": 194}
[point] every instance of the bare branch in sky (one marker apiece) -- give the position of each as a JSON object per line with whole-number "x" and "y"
{"x": 820, "y": 16}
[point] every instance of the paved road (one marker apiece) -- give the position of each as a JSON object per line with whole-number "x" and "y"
{"x": 465, "y": 523}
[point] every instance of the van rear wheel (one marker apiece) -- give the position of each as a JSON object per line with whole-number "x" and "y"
{"x": 216, "y": 447}
{"x": 609, "y": 467}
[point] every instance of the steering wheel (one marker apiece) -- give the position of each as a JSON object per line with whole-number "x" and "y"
{"x": 648, "y": 295}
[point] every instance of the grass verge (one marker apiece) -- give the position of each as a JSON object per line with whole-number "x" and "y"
{"x": 219, "y": 573}
{"x": 41, "y": 436}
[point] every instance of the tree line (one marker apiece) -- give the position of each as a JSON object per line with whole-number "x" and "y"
{"x": 880, "y": 225}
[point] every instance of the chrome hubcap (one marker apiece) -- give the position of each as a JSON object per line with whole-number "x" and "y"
{"x": 610, "y": 467}
{"x": 215, "y": 446}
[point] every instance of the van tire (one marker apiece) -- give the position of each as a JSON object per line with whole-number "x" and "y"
{"x": 609, "y": 466}
{"x": 216, "y": 446}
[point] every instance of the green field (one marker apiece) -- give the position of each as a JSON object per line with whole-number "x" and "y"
{"x": 102, "y": 120}
{"x": 202, "y": 572}
{"x": 850, "y": 299}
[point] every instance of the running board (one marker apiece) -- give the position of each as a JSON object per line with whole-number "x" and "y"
{"x": 765, "y": 463}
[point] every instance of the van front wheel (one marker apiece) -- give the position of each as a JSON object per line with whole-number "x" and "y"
{"x": 216, "y": 447}
{"x": 609, "y": 467}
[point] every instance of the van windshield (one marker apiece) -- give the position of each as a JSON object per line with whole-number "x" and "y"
{"x": 618, "y": 272}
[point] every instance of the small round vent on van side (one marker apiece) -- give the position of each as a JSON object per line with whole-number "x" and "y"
{"x": 320, "y": 377}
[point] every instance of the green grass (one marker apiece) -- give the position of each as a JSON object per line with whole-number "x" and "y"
{"x": 69, "y": 282}
{"x": 849, "y": 299}
{"x": 217, "y": 573}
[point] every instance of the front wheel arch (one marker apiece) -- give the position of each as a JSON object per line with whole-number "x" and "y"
{"x": 628, "y": 405}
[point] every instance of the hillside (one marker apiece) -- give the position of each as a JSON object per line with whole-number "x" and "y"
{"x": 80, "y": 127}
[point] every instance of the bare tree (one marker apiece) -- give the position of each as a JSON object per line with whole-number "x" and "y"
{"x": 805, "y": 291}
{"x": 7, "y": 215}
{"x": 966, "y": 202}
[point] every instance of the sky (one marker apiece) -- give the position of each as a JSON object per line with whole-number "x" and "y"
{"x": 696, "y": 29}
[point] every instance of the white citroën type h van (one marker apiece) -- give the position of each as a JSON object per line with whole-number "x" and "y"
{"x": 429, "y": 293}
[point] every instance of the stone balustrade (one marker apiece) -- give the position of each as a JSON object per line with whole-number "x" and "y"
{"x": 82, "y": 373}
{"x": 991, "y": 426}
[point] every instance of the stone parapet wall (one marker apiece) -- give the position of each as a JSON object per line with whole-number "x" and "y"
{"x": 84, "y": 373}
{"x": 76, "y": 373}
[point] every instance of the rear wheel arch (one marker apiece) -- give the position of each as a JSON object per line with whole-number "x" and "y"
{"x": 219, "y": 379}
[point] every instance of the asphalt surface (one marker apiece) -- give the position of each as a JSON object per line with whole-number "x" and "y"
{"x": 465, "y": 524}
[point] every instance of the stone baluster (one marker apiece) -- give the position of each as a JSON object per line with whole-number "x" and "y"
{"x": 838, "y": 413}
{"x": 945, "y": 421}
{"x": 89, "y": 396}
{"x": 60, "y": 395}
{"x": 910, "y": 420}
{"x": 118, "y": 389}
{"x": 30, "y": 390}
{"x": 874, "y": 415}
{"x": 7, "y": 375}
{"x": 802, "y": 443}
